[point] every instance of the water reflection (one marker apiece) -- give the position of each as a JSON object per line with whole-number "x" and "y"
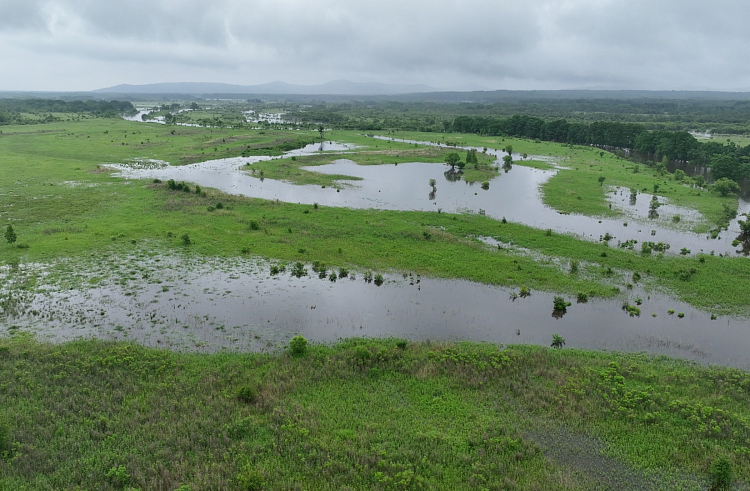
{"x": 514, "y": 195}
{"x": 199, "y": 304}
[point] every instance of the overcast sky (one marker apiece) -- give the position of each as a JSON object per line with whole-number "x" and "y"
{"x": 496, "y": 44}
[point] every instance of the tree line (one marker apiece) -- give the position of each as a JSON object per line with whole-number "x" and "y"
{"x": 11, "y": 109}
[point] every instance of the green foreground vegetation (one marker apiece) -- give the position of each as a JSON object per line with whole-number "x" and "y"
{"x": 364, "y": 414}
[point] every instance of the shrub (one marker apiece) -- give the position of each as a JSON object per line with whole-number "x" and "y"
{"x": 361, "y": 354}
{"x": 485, "y": 184}
{"x": 557, "y": 341}
{"x": 274, "y": 270}
{"x": 559, "y": 303}
{"x": 254, "y": 225}
{"x": 379, "y": 280}
{"x": 219, "y": 205}
{"x": 10, "y": 234}
{"x": 186, "y": 239}
{"x": 250, "y": 479}
{"x": 4, "y": 436}
{"x": 721, "y": 474}
{"x": 299, "y": 270}
{"x": 367, "y": 276}
{"x": 197, "y": 189}
{"x": 574, "y": 265}
{"x": 333, "y": 277}
{"x": 525, "y": 292}
{"x": 298, "y": 345}
{"x": 118, "y": 476}
{"x": 582, "y": 297}
{"x": 681, "y": 315}
{"x": 401, "y": 344}
{"x": 247, "y": 394}
{"x": 343, "y": 272}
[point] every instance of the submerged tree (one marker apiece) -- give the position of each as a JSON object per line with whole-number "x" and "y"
{"x": 452, "y": 159}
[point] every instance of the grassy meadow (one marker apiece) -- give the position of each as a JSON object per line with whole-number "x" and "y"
{"x": 364, "y": 414}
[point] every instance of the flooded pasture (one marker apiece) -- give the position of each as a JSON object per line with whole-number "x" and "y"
{"x": 191, "y": 303}
{"x": 514, "y": 195}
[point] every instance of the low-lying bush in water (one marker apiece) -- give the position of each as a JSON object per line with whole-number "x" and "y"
{"x": 560, "y": 304}
{"x": 379, "y": 280}
{"x": 299, "y": 270}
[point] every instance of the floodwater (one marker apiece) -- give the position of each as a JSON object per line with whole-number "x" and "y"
{"x": 189, "y": 303}
{"x": 514, "y": 195}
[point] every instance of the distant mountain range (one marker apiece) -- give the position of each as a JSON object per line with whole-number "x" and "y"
{"x": 336, "y": 87}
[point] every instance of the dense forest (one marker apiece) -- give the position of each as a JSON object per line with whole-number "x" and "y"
{"x": 12, "y": 110}
{"x": 717, "y": 116}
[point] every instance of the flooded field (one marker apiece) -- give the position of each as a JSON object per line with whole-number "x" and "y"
{"x": 190, "y": 303}
{"x": 513, "y": 195}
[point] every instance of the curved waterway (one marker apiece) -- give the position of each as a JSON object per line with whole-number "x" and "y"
{"x": 514, "y": 195}
{"x": 184, "y": 302}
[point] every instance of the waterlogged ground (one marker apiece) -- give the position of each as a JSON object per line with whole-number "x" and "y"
{"x": 513, "y": 195}
{"x": 184, "y": 302}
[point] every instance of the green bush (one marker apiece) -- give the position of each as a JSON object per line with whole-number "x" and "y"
{"x": 379, "y": 280}
{"x": 4, "y": 436}
{"x": 118, "y": 476}
{"x": 721, "y": 474}
{"x": 186, "y": 239}
{"x": 254, "y": 225}
{"x": 10, "y": 234}
{"x": 298, "y": 345}
{"x": 559, "y": 303}
{"x": 247, "y": 394}
{"x": 557, "y": 341}
{"x": 362, "y": 354}
{"x": 250, "y": 479}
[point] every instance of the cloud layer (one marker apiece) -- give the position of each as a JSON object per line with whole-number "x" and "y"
{"x": 498, "y": 44}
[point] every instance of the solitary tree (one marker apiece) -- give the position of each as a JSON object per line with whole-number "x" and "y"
{"x": 601, "y": 180}
{"x": 471, "y": 157}
{"x": 10, "y": 234}
{"x": 726, "y": 186}
{"x": 321, "y": 128}
{"x": 452, "y": 159}
{"x": 509, "y": 149}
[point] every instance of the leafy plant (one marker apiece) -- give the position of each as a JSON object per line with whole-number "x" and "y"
{"x": 582, "y": 297}
{"x": 559, "y": 304}
{"x": 379, "y": 280}
{"x": 250, "y": 479}
{"x": 298, "y": 345}
{"x": 10, "y": 234}
{"x": 721, "y": 474}
{"x": 186, "y": 239}
{"x": 118, "y": 476}
{"x": 299, "y": 270}
{"x": 557, "y": 341}
{"x": 247, "y": 394}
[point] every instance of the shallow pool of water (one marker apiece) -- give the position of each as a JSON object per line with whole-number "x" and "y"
{"x": 190, "y": 303}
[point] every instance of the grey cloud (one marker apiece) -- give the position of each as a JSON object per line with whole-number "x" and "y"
{"x": 658, "y": 44}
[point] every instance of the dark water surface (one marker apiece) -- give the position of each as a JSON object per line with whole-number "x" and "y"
{"x": 195, "y": 304}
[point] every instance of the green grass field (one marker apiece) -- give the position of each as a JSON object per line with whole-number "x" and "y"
{"x": 364, "y": 414}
